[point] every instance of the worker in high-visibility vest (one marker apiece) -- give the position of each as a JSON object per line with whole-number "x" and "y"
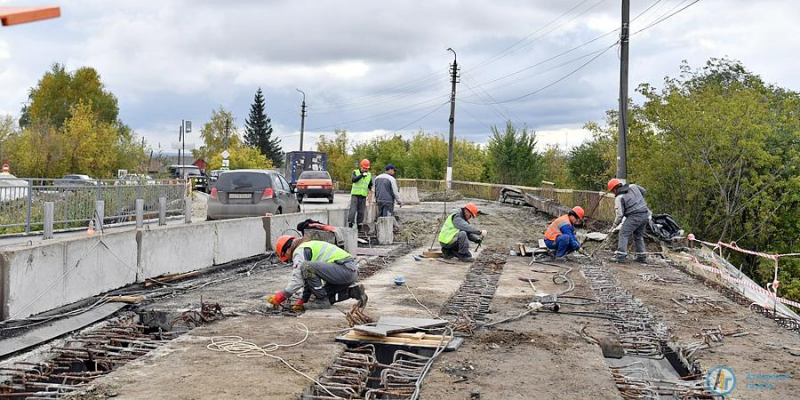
{"x": 560, "y": 235}
{"x": 362, "y": 186}
{"x": 319, "y": 268}
{"x": 457, "y": 232}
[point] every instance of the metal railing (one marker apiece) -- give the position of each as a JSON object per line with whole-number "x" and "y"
{"x": 75, "y": 203}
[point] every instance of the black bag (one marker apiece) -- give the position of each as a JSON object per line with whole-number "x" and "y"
{"x": 664, "y": 227}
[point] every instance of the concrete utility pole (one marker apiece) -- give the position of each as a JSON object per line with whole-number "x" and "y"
{"x": 453, "y": 81}
{"x": 622, "y": 142}
{"x": 180, "y": 139}
{"x": 227, "y": 129}
{"x": 302, "y": 118}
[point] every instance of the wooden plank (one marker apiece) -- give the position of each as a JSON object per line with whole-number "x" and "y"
{"x": 20, "y": 15}
{"x": 430, "y": 341}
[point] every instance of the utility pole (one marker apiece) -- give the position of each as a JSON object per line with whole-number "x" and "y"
{"x": 227, "y": 128}
{"x": 453, "y": 81}
{"x": 622, "y": 142}
{"x": 180, "y": 139}
{"x": 302, "y": 118}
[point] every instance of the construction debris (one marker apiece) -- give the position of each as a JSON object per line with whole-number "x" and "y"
{"x": 389, "y": 325}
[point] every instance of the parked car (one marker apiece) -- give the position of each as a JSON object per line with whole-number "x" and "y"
{"x": 74, "y": 180}
{"x": 12, "y": 188}
{"x": 191, "y": 172}
{"x": 135, "y": 179}
{"x": 250, "y": 193}
{"x": 314, "y": 184}
{"x": 212, "y": 179}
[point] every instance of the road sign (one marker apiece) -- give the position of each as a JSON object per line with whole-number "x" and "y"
{"x": 225, "y": 154}
{"x": 187, "y": 126}
{"x": 225, "y": 169}
{"x": 226, "y": 163}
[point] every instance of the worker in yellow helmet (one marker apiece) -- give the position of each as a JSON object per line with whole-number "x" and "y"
{"x": 321, "y": 269}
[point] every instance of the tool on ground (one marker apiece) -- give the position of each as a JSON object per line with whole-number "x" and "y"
{"x": 601, "y": 245}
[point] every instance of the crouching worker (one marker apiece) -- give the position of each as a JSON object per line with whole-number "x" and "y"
{"x": 319, "y": 268}
{"x": 560, "y": 235}
{"x": 457, "y": 232}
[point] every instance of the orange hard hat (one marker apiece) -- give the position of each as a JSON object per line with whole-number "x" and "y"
{"x": 578, "y": 210}
{"x": 365, "y": 163}
{"x": 614, "y": 182}
{"x": 472, "y": 208}
{"x": 282, "y": 247}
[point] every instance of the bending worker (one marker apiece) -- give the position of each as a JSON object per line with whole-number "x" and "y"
{"x": 630, "y": 205}
{"x": 560, "y": 235}
{"x": 362, "y": 185}
{"x": 457, "y": 232}
{"x": 321, "y": 269}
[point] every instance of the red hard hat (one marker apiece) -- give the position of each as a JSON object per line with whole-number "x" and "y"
{"x": 282, "y": 247}
{"x": 578, "y": 210}
{"x": 365, "y": 163}
{"x": 472, "y": 208}
{"x": 614, "y": 182}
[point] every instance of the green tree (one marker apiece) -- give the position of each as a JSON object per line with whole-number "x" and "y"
{"x": 214, "y": 133}
{"x": 555, "y": 166}
{"x": 588, "y": 164}
{"x": 7, "y": 132}
{"x": 340, "y": 162}
{"x": 258, "y": 131}
{"x": 51, "y": 100}
{"x": 512, "y": 158}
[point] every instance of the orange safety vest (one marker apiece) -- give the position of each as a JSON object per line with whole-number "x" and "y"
{"x": 555, "y": 227}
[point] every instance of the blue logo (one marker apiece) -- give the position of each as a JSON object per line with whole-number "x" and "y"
{"x": 721, "y": 380}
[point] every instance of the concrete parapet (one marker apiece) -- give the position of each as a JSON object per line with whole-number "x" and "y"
{"x": 239, "y": 238}
{"x": 278, "y": 225}
{"x": 177, "y": 248}
{"x": 409, "y": 195}
{"x": 385, "y": 228}
{"x": 337, "y": 217}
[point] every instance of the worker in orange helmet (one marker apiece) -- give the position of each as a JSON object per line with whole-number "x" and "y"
{"x": 632, "y": 217}
{"x": 362, "y": 187}
{"x": 457, "y": 232}
{"x": 560, "y": 235}
{"x": 321, "y": 269}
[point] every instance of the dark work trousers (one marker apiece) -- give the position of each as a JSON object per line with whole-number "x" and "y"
{"x": 338, "y": 277}
{"x": 357, "y": 204}
{"x": 385, "y": 209}
{"x": 459, "y": 247}
{"x": 634, "y": 224}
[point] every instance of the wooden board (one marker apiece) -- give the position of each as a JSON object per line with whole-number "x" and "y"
{"x": 404, "y": 339}
{"x": 432, "y": 253}
{"x": 20, "y": 15}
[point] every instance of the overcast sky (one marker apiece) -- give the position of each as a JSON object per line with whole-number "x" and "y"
{"x": 377, "y": 67}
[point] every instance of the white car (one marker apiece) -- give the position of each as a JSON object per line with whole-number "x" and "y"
{"x": 12, "y": 188}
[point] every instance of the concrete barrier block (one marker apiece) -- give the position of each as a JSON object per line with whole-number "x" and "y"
{"x": 177, "y": 248}
{"x": 409, "y": 195}
{"x": 278, "y": 225}
{"x": 31, "y": 279}
{"x": 104, "y": 262}
{"x": 385, "y": 228}
{"x": 350, "y": 236}
{"x": 337, "y": 217}
{"x": 239, "y": 238}
{"x": 372, "y": 213}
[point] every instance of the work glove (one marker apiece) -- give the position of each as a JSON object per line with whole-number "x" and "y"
{"x": 483, "y": 234}
{"x": 299, "y": 306}
{"x": 277, "y": 298}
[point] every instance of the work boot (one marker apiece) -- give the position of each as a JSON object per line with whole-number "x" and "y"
{"x": 467, "y": 259}
{"x": 446, "y": 254}
{"x": 641, "y": 259}
{"x": 619, "y": 259}
{"x": 357, "y": 292}
{"x": 560, "y": 260}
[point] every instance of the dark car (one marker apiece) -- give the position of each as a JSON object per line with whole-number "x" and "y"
{"x": 250, "y": 193}
{"x": 314, "y": 184}
{"x": 212, "y": 179}
{"x": 192, "y": 173}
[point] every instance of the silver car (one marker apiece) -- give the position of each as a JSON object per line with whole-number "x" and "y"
{"x": 250, "y": 193}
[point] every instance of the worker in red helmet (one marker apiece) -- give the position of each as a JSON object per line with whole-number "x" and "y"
{"x": 560, "y": 235}
{"x": 457, "y": 232}
{"x": 362, "y": 187}
{"x": 319, "y": 268}
{"x": 632, "y": 216}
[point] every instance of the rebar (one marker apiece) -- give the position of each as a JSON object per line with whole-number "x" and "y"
{"x": 471, "y": 302}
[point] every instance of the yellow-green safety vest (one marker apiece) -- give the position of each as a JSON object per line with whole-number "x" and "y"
{"x": 324, "y": 251}
{"x": 361, "y": 187}
{"x": 449, "y": 231}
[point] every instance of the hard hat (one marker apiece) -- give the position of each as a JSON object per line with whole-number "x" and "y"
{"x": 614, "y": 182}
{"x": 282, "y": 247}
{"x": 578, "y": 210}
{"x": 365, "y": 163}
{"x": 472, "y": 208}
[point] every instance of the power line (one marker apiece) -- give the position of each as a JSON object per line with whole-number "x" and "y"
{"x": 668, "y": 16}
{"x": 551, "y": 83}
{"x": 422, "y": 117}
{"x": 381, "y": 114}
